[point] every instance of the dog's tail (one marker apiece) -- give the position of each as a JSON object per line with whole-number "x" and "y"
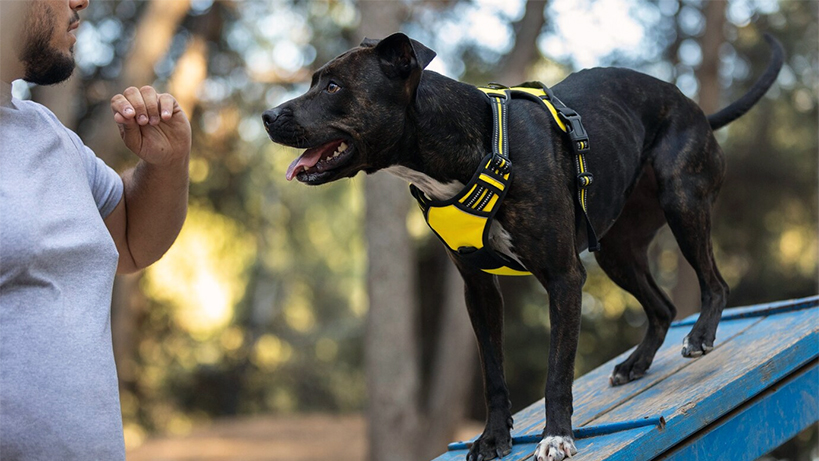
{"x": 743, "y": 104}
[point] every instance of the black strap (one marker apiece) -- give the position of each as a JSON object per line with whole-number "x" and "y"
{"x": 580, "y": 147}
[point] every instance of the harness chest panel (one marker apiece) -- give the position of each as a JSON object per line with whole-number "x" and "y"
{"x": 463, "y": 222}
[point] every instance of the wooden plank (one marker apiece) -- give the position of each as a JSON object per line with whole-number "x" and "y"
{"x": 766, "y": 421}
{"x": 593, "y": 395}
{"x": 764, "y": 309}
{"x": 750, "y": 354}
{"x": 715, "y": 384}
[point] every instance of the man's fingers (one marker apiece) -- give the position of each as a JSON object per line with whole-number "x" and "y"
{"x": 167, "y": 106}
{"x": 151, "y": 100}
{"x": 143, "y": 106}
{"x": 126, "y": 117}
{"x": 120, "y": 106}
{"x": 134, "y": 96}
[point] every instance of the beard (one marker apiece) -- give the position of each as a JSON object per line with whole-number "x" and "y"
{"x": 44, "y": 64}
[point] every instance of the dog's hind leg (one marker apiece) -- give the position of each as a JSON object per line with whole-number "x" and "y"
{"x": 689, "y": 180}
{"x": 624, "y": 259}
{"x": 485, "y": 306}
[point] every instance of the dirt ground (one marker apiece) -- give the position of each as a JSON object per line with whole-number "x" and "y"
{"x": 270, "y": 438}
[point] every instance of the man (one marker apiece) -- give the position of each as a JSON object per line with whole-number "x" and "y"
{"x": 68, "y": 223}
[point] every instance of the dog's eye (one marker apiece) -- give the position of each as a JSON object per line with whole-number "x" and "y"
{"x": 333, "y": 88}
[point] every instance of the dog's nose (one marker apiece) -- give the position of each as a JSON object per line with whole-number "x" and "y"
{"x": 271, "y": 115}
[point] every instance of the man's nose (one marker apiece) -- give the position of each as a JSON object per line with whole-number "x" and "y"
{"x": 78, "y": 5}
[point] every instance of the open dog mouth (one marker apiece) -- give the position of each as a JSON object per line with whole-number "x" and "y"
{"x": 317, "y": 163}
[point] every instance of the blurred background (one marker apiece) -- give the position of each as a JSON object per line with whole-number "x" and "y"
{"x": 298, "y": 323}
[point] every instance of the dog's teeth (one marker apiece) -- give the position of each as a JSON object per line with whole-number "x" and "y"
{"x": 342, "y": 147}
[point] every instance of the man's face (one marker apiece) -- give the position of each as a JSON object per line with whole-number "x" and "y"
{"x": 48, "y": 47}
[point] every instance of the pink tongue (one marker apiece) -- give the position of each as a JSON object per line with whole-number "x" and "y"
{"x": 310, "y": 158}
{"x": 307, "y": 160}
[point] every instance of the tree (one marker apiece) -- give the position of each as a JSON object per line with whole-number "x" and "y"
{"x": 390, "y": 344}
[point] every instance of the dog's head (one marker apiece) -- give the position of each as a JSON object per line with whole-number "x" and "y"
{"x": 355, "y": 111}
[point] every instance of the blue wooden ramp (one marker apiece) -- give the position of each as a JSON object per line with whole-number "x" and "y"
{"x": 758, "y": 388}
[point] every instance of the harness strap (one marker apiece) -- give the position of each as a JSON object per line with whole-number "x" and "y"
{"x": 499, "y": 96}
{"x": 569, "y": 122}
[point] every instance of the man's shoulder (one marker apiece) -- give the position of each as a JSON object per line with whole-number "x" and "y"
{"x": 25, "y": 113}
{"x": 33, "y": 116}
{"x": 29, "y": 106}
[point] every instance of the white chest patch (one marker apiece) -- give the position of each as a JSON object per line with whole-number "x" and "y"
{"x": 499, "y": 238}
{"x": 432, "y": 188}
{"x": 501, "y": 241}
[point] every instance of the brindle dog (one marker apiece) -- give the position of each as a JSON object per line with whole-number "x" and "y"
{"x": 655, "y": 161}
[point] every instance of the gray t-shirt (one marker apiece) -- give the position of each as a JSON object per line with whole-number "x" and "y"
{"x": 58, "y": 382}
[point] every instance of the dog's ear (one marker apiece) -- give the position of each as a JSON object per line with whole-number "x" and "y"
{"x": 401, "y": 56}
{"x": 369, "y": 42}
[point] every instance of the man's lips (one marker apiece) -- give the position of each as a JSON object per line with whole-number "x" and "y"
{"x": 72, "y": 27}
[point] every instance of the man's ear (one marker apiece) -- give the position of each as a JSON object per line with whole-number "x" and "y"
{"x": 400, "y": 56}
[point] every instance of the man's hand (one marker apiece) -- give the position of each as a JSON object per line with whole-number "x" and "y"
{"x": 152, "y": 125}
{"x": 155, "y": 193}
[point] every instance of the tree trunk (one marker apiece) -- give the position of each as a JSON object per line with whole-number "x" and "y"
{"x": 712, "y": 40}
{"x": 152, "y": 39}
{"x": 455, "y": 361}
{"x": 391, "y": 346}
{"x": 191, "y": 71}
{"x": 525, "y": 52}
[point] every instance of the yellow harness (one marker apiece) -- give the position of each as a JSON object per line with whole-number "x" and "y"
{"x": 463, "y": 222}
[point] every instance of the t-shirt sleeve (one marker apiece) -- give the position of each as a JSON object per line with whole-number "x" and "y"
{"x": 105, "y": 183}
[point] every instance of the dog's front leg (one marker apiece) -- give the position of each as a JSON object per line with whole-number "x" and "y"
{"x": 485, "y": 306}
{"x": 565, "y": 290}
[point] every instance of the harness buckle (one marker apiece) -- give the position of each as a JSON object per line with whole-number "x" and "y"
{"x": 585, "y": 179}
{"x": 578, "y": 135}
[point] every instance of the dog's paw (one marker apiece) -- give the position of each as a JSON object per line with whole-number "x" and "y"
{"x": 693, "y": 348}
{"x": 618, "y": 378}
{"x": 625, "y": 373}
{"x": 490, "y": 446}
{"x": 555, "y": 448}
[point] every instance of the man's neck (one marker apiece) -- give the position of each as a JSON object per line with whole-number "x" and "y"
{"x": 5, "y": 93}
{"x": 12, "y": 18}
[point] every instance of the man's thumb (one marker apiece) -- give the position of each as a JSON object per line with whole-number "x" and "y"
{"x": 130, "y": 134}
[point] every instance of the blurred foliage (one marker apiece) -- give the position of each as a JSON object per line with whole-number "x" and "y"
{"x": 260, "y": 305}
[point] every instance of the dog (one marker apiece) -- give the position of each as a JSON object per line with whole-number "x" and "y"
{"x": 655, "y": 159}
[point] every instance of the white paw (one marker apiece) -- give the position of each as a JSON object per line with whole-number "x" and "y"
{"x": 553, "y": 448}
{"x": 690, "y": 352}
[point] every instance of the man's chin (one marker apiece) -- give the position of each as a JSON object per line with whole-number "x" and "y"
{"x": 57, "y": 71}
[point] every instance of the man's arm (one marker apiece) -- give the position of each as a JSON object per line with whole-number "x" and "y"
{"x": 155, "y": 195}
